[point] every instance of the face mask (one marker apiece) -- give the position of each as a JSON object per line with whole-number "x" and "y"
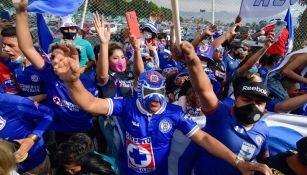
{"x": 253, "y": 70}
{"x": 119, "y": 66}
{"x": 147, "y": 35}
{"x": 161, "y": 46}
{"x": 20, "y": 59}
{"x": 248, "y": 114}
{"x": 149, "y": 66}
{"x": 69, "y": 35}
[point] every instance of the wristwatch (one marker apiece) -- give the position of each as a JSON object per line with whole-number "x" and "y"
{"x": 238, "y": 160}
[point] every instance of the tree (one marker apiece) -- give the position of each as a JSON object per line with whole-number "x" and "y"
{"x": 300, "y": 34}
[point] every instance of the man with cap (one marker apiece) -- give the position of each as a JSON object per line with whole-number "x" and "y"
{"x": 149, "y": 122}
{"x": 69, "y": 28}
{"x": 237, "y": 127}
{"x": 291, "y": 162}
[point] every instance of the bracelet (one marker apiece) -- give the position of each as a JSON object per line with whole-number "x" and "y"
{"x": 33, "y": 137}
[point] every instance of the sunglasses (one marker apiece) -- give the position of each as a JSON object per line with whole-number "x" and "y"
{"x": 220, "y": 50}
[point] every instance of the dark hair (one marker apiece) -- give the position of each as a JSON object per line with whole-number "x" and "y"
{"x": 8, "y": 32}
{"x": 302, "y": 150}
{"x": 161, "y": 35}
{"x": 71, "y": 151}
{"x": 269, "y": 60}
{"x": 93, "y": 163}
{"x": 113, "y": 47}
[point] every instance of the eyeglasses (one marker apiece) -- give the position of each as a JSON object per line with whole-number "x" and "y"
{"x": 220, "y": 50}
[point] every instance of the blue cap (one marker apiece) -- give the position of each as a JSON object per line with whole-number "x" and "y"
{"x": 205, "y": 51}
{"x": 153, "y": 26}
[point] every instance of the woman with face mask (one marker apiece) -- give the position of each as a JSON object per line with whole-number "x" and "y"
{"x": 113, "y": 80}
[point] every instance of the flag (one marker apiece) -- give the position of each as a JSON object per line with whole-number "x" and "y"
{"x": 44, "y": 35}
{"x": 290, "y": 27}
{"x": 260, "y": 8}
{"x": 54, "y": 7}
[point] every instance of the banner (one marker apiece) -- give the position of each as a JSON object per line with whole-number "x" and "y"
{"x": 54, "y": 7}
{"x": 285, "y": 131}
{"x": 263, "y": 8}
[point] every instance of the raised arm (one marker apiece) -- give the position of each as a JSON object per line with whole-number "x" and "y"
{"x": 227, "y": 36}
{"x": 138, "y": 64}
{"x": 219, "y": 150}
{"x": 102, "y": 67}
{"x": 256, "y": 57}
{"x": 66, "y": 66}
{"x": 199, "y": 37}
{"x": 199, "y": 79}
{"x": 299, "y": 63}
{"x": 291, "y": 104}
{"x": 25, "y": 42}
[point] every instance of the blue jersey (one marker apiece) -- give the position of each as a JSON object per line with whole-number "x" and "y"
{"x": 147, "y": 137}
{"x": 231, "y": 65}
{"x": 20, "y": 117}
{"x": 224, "y": 126}
{"x": 68, "y": 117}
{"x": 27, "y": 78}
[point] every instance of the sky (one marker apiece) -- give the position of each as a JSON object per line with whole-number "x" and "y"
{"x": 232, "y": 6}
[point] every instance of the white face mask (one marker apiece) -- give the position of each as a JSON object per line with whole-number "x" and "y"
{"x": 147, "y": 35}
{"x": 20, "y": 59}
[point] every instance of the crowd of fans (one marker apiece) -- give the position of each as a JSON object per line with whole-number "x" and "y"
{"x": 113, "y": 108}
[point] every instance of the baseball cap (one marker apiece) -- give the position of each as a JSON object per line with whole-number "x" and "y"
{"x": 205, "y": 51}
{"x": 236, "y": 44}
{"x": 302, "y": 150}
{"x": 152, "y": 26}
{"x": 67, "y": 21}
{"x": 253, "y": 88}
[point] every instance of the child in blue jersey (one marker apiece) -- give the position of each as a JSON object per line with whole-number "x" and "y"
{"x": 149, "y": 120}
{"x": 26, "y": 75}
{"x": 68, "y": 118}
{"x": 25, "y": 121}
{"x": 238, "y": 128}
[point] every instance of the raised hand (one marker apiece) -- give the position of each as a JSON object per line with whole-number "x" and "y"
{"x": 187, "y": 52}
{"x": 270, "y": 39}
{"x": 104, "y": 35}
{"x": 134, "y": 42}
{"x": 20, "y": 5}
{"x": 209, "y": 31}
{"x": 65, "y": 60}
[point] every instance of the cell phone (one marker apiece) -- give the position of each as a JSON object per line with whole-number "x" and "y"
{"x": 133, "y": 24}
{"x": 243, "y": 30}
{"x": 278, "y": 28}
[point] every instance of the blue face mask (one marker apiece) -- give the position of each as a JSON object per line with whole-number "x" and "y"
{"x": 161, "y": 46}
{"x": 20, "y": 59}
{"x": 253, "y": 70}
